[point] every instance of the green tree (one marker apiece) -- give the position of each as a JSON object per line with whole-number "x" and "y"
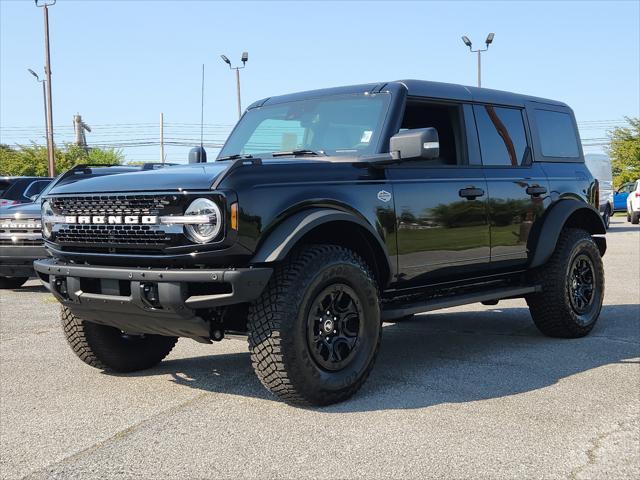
{"x": 624, "y": 151}
{"x": 32, "y": 160}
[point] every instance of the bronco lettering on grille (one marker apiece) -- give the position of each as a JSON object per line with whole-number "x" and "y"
{"x": 111, "y": 219}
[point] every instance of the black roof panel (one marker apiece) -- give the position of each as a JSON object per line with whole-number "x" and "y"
{"x": 419, "y": 88}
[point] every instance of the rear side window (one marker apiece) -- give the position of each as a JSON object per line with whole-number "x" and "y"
{"x": 557, "y": 134}
{"x": 502, "y": 136}
{"x": 35, "y": 188}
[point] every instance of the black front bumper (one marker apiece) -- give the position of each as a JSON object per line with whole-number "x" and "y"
{"x": 150, "y": 300}
{"x": 17, "y": 260}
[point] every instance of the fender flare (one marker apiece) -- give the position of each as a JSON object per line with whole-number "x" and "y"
{"x": 553, "y": 222}
{"x": 281, "y": 239}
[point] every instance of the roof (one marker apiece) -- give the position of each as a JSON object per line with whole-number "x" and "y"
{"x": 418, "y": 88}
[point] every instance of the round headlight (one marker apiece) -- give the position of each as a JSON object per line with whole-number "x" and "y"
{"x": 47, "y": 214}
{"x": 208, "y": 223}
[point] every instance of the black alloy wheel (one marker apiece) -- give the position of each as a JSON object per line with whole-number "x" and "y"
{"x": 334, "y": 324}
{"x": 581, "y": 284}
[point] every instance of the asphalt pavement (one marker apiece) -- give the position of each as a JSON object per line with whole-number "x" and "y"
{"x": 470, "y": 392}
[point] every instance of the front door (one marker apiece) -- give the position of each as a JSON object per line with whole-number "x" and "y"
{"x": 441, "y": 204}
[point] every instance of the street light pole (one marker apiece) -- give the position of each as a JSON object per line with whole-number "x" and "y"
{"x": 44, "y": 101}
{"x": 238, "y": 91}
{"x": 487, "y": 42}
{"x": 47, "y": 70}
{"x": 244, "y": 59}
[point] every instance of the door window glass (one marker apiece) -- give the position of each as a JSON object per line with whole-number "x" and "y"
{"x": 502, "y": 136}
{"x": 446, "y": 120}
{"x": 35, "y": 188}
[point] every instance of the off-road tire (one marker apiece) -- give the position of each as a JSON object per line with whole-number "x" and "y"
{"x": 551, "y": 308}
{"x": 606, "y": 217}
{"x": 281, "y": 354}
{"x": 12, "y": 282}
{"x": 107, "y": 348}
{"x": 635, "y": 218}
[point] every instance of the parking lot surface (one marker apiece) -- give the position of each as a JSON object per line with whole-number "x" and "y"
{"x": 469, "y": 392}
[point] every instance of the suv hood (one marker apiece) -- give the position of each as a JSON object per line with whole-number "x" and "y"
{"x": 22, "y": 210}
{"x": 180, "y": 177}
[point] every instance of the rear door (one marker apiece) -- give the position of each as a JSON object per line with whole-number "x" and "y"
{"x": 441, "y": 204}
{"x": 517, "y": 186}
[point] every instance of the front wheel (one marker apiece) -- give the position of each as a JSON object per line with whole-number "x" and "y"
{"x": 110, "y": 349}
{"x": 315, "y": 331}
{"x": 572, "y": 284}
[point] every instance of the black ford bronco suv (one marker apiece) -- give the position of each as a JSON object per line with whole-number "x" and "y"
{"x": 325, "y": 214}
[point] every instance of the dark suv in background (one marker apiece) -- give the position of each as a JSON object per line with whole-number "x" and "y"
{"x": 20, "y": 226}
{"x": 326, "y": 213}
{"x": 15, "y": 190}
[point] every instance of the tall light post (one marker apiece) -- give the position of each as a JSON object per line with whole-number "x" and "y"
{"x": 45, "y": 4}
{"x": 245, "y": 57}
{"x": 44, "y": 100}
{"x": 487, "y": 42}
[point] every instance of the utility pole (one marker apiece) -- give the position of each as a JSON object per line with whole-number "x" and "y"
{"x": 79, "y": 128}
{"x": 244, "y": 59}
{"x": 45, "y": 4}
{"x": 161, "y": 137}
{"x": 487, "y": 42}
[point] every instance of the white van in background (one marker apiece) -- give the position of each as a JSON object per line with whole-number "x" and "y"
{"x": 599, "y": 165}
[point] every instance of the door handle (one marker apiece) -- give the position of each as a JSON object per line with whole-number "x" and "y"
{"x": 471, "y": 193}
{"x": 536, "y": 190}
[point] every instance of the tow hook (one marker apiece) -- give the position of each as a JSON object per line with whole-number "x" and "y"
{"x": 149, "y": 294}
{"x": 60, "y": 284}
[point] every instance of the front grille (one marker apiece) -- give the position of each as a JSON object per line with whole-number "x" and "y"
{"x": 116, "y": 238}
{"x": 113, "y": 235}
{"x": 20, "y": 232}
{"x": 111, "y": 205}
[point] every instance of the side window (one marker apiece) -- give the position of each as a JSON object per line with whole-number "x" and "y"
{"x": 502, "y": 136}
{"x": 35, "y": 188}
{"x": 446, "y": 119}
{"x": 557, "y": 134}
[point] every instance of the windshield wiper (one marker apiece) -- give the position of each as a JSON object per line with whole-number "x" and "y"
{"x": 233, "y": 157}
{"x": 297, "y": 153}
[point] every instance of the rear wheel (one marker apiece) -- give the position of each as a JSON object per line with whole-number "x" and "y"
{"x": 572, "y": 287}
{"x": 108, "y": 348}
{"x": 635, "y": 218}
{"x": 315, "y": 331}
{"x": 12, "y": 282}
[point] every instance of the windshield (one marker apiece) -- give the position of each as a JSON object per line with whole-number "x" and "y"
{"x": 335, "y": 125}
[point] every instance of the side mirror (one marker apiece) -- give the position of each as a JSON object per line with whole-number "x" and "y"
{"x": 33, "y": 198}
{"x": 197, "y": 155}
{"x": 416, "y": 143}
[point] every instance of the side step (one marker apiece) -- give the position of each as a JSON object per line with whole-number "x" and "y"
{"x": 456, "y": 300}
